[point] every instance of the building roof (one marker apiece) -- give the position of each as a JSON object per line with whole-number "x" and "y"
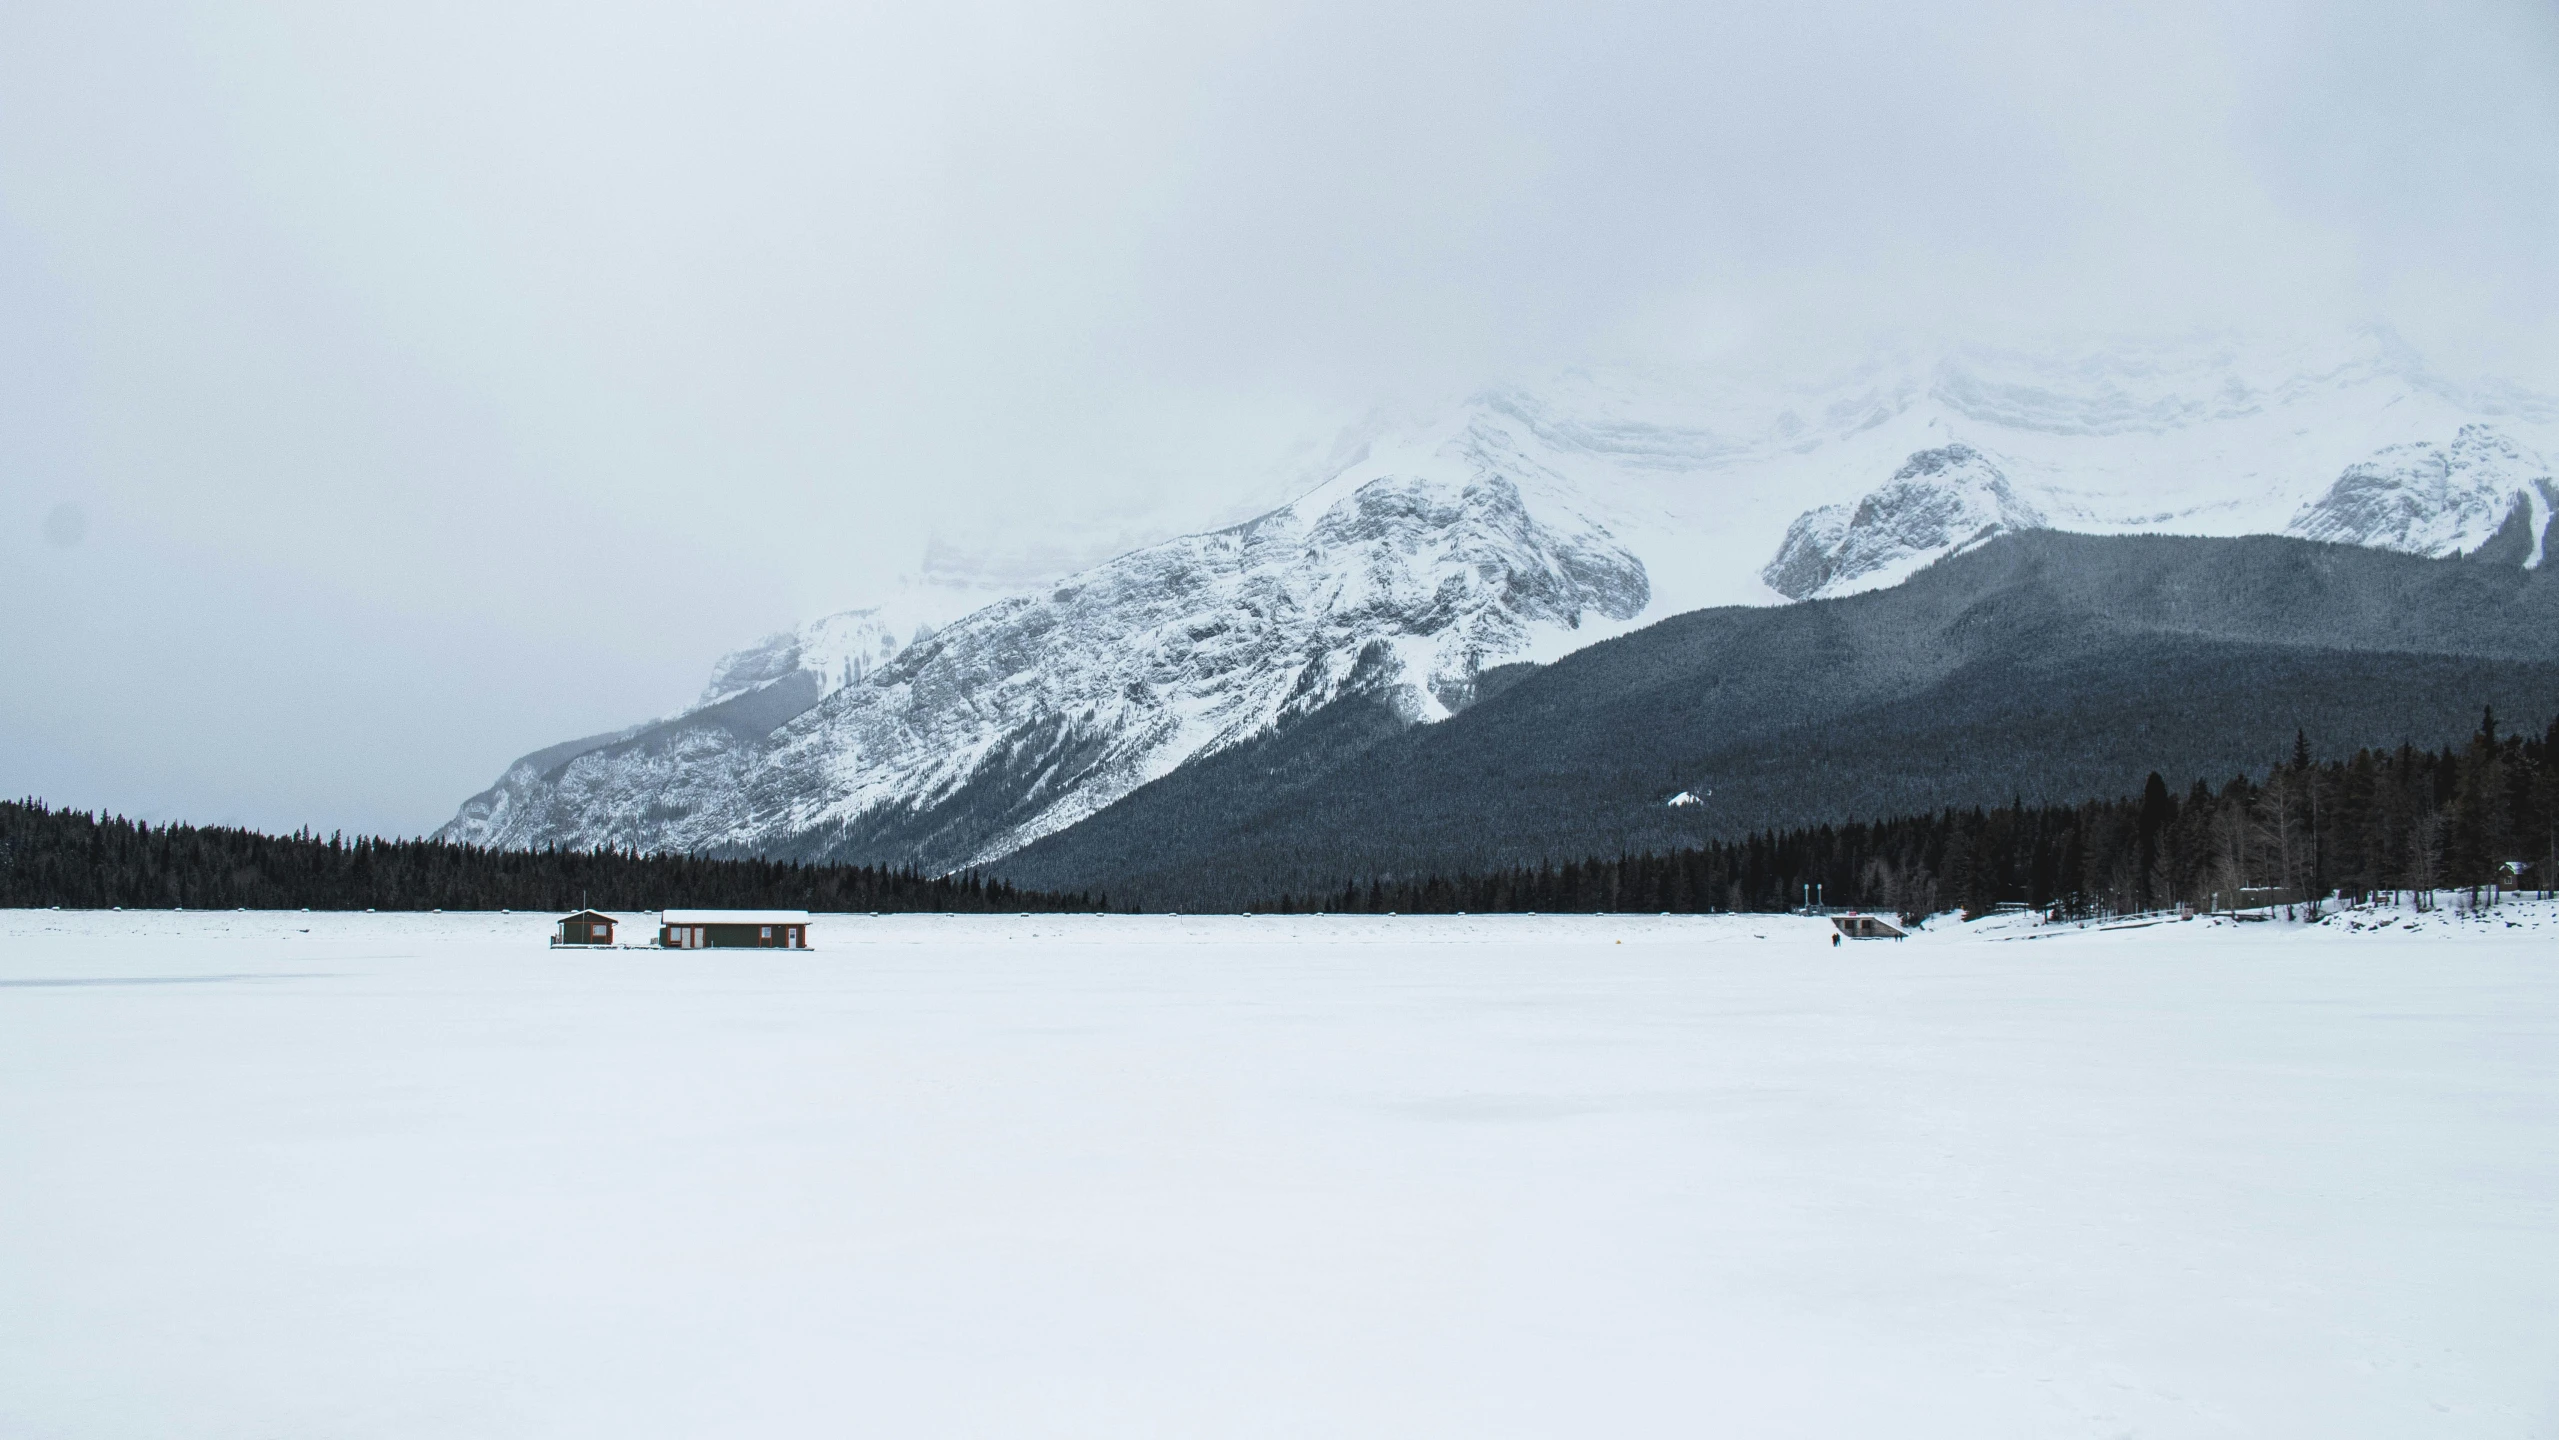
{"x": 734, "y": 917}
{"x": 592, "y": 915}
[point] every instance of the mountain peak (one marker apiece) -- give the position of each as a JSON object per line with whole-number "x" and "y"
{"x": 2429, "y": 498}
{"x": 1939, "y": 501}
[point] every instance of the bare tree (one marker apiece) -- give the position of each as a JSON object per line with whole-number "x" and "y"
{"x": 2425, "y": 857}
{"x": 2230, "y": 830}
{"x": 2279, "y": 833}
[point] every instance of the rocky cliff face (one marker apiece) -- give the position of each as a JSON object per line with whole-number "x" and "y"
{"x": 838, "y": 650}
{"x": 2428, "y": 498}
{"x": 1032, "y": 713}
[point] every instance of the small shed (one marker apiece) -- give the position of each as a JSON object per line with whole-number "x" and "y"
{"x": 587, "y": 927}
{"x": 1866, "y": 927}
{"x": 734, "y": 929}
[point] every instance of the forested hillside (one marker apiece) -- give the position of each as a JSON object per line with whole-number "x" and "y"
{"x": 71, "y": 858}
{"x": 2403, "y": 820}
{"x": 2040, "y": 667}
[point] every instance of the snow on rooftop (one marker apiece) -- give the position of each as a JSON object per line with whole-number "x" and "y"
{"x": 733, "y": 917}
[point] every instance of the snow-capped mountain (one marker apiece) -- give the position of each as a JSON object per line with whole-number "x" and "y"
{"x": 1939, "y": 502}
{"x": 2363, "y": 446}
{"x": 2430, "y": 499}
{"x": 1518, "y": 524}
{"x": 1027, "y": 715}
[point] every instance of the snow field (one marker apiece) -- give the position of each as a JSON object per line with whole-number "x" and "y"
{"x": 282, "y": 1175}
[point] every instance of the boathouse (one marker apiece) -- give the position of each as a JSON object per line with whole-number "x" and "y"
{"x": 587, "y": 927}
{"x": 1866, "y": 927}
{"x": 734, "y": 929}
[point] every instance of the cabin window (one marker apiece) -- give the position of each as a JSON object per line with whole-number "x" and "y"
{"x": 768, "y": 932}
{"x": 601, "y": 931}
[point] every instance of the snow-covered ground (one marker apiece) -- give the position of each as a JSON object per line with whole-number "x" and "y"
{"x": 390, "y": 1176}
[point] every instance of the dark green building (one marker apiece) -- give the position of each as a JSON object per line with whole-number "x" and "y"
{"x": 734, "y": 929}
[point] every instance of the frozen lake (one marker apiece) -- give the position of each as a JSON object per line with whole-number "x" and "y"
{"x": 285, "y": 1176}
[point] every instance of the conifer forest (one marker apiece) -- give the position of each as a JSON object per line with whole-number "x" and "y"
{"x": 69, "y": 858}
{"x": 2409, "y": 822}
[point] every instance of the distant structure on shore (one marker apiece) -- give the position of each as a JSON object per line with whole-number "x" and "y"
{"x": 587, "y": 927}
{"x": 738, "y": 929}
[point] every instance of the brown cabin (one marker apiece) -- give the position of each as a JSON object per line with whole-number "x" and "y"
{"x": 1866, "y": 927}
{"x": 734, "y": 929}
{"x": 587, "y": 927}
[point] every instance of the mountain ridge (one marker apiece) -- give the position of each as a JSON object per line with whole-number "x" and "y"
{"x": 1519, "y": 526}
{"x": 2041, "y": 664}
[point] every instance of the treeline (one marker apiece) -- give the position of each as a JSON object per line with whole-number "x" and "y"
{"x": 2380, "y": 824}
{"x": 78, "y": 860}
{"x": 2417, "y": 821}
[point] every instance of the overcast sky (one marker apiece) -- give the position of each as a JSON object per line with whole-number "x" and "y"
{"x": 386, "y": 391}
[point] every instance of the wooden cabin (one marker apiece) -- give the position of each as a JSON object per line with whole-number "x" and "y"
{"x": 1866, "y": 927}
{"x": 587, "y": 927}
{"x": 734, "y": 929}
